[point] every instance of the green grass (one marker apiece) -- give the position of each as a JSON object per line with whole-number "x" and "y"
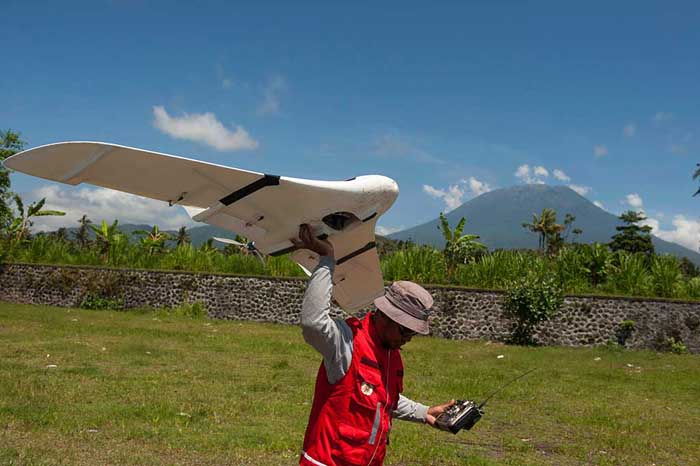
{"x": 152, "y": 388}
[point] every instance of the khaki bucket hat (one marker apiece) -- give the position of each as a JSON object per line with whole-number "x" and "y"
{"x": 407, "y": 304}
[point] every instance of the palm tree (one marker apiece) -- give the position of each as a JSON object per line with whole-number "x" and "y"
{"x": 182, "y": 237}
{"x": 19, "y": 228}
{"x": 82, "y": 235}
{"x": 545, "y": 225}
{"x": 559, "y": 234}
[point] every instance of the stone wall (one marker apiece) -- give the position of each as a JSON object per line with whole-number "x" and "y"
{"x": 460, "y": 313}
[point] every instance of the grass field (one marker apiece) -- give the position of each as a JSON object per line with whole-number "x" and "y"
{"x": 113, "y": 388}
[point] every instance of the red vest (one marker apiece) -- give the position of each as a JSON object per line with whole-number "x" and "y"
{"x": 350, "y": 420}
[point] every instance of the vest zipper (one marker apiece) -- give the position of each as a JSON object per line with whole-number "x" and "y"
{"x": 378, "y": 413}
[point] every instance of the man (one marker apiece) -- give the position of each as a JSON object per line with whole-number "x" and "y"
{"x": 359, "y": 383}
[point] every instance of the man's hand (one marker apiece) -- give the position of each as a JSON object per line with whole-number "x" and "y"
{"x": 307, "y": 240}
{"x": 435, "y": 411}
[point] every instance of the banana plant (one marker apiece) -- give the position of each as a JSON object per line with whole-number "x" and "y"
{"x": 107, "y": 237}
{"x": 153, "y": 241}
{"x": 19, "y": 228}
{"x": 459, "y": 248}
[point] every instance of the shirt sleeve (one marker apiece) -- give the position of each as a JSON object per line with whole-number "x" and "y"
{"x": 409, "y": 410}
{"x": 330, "y": 337}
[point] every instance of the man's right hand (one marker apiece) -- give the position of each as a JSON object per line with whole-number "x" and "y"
{"x": 307, "y": 240}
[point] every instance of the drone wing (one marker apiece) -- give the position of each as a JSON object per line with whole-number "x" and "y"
{"x": 267, "y": 209}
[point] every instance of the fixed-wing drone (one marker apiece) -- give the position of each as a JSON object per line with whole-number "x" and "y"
{"x": 266, "y": 209}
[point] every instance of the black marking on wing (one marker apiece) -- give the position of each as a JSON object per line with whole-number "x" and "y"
{"x": 267, "y": 180}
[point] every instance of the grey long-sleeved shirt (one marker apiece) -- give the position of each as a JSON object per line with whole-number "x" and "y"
{"x": 333, "y": 337}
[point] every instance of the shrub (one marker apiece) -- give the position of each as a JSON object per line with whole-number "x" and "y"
{"x": 195, "y": 310}
{"x": 691, "y": 288}
{"x": 629, "y": 274}
{"x": 95, "y": 301}
{"x": 676, "y": 346}
{"x": 665, "y": 276}
{"x": 597, "y": 262}
{"x": 530, "y": 301}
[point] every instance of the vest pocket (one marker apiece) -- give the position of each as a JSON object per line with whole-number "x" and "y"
{"x": 369, "y": 389}
{"x": 351, "y": 447}
{"x": 353, "y": 434}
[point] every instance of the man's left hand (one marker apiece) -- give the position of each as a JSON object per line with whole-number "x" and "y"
{"x": 435, "y": 411}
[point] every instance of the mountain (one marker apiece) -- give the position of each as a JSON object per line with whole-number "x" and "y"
{"x": 497, "y": 217}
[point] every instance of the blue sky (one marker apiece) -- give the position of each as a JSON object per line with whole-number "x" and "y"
{"x": 450, "y": 99}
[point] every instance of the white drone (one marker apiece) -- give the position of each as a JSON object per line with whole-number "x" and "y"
{"x": 267, "y": 209}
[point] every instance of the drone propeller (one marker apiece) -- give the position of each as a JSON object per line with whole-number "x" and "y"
{"x": 231, "y": 241}
{"x": 249, "y": 247}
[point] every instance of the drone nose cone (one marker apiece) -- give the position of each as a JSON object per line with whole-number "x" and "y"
{"x": 387, "y": 191}
{"x": 388, "y": 186}
{"x": 392, "y": 186}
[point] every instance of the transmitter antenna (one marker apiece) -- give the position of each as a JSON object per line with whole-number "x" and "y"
{"x": 504, "y": 386}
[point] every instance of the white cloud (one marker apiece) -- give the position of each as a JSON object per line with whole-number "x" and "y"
{"x": 663, "y": 116}
{"x": 270, "y": 104}
{"x": 204, "y": 128}
{"x": 530, "y": 177}
{"x": 630, "y": 130}
{"x": 600, "y": 151}
{"x": 653, "y": 223}
{"x": 599, "y": 204}
{"x": 560, "y": 175}
{"x": 385, "y": 231}
{"x": 434, "y": 192}
{"x": 686, "y": 232}
{"x": 523, "y": 172}
{"x": 634, "y": 200}
{"x": 104, "y": 204}
{"x": 582, "y": 190}
{"x": 477, "y": 187}
{"x": 541, "y": 171}
{"x": 453, "y": 196}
